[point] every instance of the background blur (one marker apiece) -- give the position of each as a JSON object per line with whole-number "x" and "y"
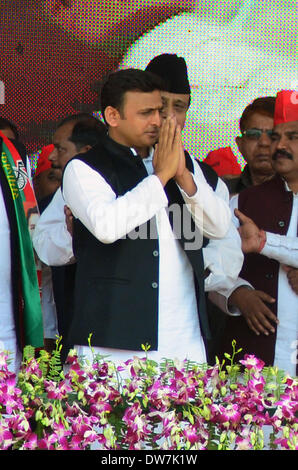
{"x": 54, "y": 53}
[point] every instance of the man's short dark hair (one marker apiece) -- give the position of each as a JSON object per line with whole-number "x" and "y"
{"x": 6, "y": 124}
{"x": 118, "y": 83}
{"x": 264, "y": 105}
{"x": 87, "y": 129}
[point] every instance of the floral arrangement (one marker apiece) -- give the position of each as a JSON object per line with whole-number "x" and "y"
{"x": 143, "y": 405}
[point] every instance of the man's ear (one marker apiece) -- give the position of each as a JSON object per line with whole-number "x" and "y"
{"x": 112, "y": 116}
{"x": 85, "y": 148}
{"x": 238, "y": 141}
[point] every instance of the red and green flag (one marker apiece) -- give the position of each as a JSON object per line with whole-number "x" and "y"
{"x": 24, "y": 199}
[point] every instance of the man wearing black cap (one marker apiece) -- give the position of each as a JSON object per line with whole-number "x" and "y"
{"x": 222, "y": 258}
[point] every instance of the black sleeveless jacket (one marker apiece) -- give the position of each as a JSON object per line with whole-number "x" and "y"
{"x": 116, "y": 291}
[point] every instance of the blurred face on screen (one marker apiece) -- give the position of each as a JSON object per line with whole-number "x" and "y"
{"x": 90, "y": 20}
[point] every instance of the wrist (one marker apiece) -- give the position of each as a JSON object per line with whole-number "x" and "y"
{"x": 186, "y": 183}
{"x": 163, "y": 177}
{"x": 263, "y": 239}
{"x": 237, "y": 295}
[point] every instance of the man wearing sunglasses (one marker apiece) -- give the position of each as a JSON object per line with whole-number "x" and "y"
{"x": 268, "y": 217}
{"x": 256, "y": 125}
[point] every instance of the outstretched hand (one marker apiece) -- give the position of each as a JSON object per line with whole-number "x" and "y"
{"x": 253, "y": 239}
{"x": 251, "y": 303}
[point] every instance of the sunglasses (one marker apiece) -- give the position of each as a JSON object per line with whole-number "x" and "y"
{"x": 255, "y": 134}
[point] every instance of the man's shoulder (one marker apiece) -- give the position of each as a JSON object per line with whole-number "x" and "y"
{"x": 274, "y": 183}
{"x": 209, "y": 174}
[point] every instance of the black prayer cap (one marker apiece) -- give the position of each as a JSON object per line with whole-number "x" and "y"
{"x": 173, "y": 70}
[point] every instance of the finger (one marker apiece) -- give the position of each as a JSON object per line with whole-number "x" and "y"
{"x": 167, "y": 136}
{"x": 292, "y": 274}
{"x": 262, "y": 325}
{"x": 265, "y": 311}
{"x": 241, "y": 217}
{"x": 286, "y": 268}
{"x": 162, "y": 136}
{"x": 264, "y": 296}
{"x": 251, "y": 327}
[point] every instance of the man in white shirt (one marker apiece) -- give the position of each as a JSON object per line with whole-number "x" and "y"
{"x": 143, "y": 288}
{"x": 268, "y": 228}
{"x": 222, "y": 258}
{"x": 75, "y": 134}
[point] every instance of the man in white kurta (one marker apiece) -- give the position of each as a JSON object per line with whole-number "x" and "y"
{"x": 93, "y": 201}
{"x": 7, "y": 331}
{"x": 179, "y": 336}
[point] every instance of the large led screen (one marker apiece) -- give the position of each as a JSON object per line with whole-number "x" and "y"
{"x": 54, "y": 53}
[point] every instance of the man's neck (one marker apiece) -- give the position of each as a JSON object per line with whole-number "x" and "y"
{"x": 292, "y": 184}
{"x": 143, "y": 152}
{"x": 258, "y": 178}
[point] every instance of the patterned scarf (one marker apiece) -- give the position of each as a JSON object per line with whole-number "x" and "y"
{"x": 24, "y": 203}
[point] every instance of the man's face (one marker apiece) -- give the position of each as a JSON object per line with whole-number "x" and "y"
{"x": 138, "y": 123}
{"x": 175, "y": 104}
{"x": 256, "y": 149}
{"x": 285, "y": 149}
{"x": 64, "y": 148}
{"x": 46, "y": 183}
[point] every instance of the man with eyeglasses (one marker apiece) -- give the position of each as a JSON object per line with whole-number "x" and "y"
{"x": 256, "y": 125}
{"x": 268, "y": 218}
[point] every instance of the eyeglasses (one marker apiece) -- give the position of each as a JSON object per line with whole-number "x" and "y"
{"x": 255, "y": 134}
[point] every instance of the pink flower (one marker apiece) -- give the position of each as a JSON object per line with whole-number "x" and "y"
{"x": 6, "y": 437}
{"x": 228, "y": 416}
{"x": 251, "y": 362}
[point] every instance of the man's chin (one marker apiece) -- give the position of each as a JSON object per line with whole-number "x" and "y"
{"x": 263, "y": 165}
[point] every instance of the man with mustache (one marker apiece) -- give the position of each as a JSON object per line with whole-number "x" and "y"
{"x": 268, "y": 216}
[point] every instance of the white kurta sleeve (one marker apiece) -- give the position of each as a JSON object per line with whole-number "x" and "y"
{"x": 223, "y": 257}
{"x": 281, "y": 248}
{"x": 51, "y": 239}
{"x": 107, "y": 217}
{"x": 210, "y": 210}
{"x": 50, "y": 322}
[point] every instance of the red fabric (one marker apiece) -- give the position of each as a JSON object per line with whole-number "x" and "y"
{"x": 286, "y": 107}
{"x": 43, "y": 162}
{"x": 223, "y": 161}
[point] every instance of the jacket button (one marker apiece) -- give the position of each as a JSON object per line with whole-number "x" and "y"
{"x": 269, "y": 276}
{"x": 155, "y": 253}
{"x": 281, "y": 223}
{"x": 154, "y": 285}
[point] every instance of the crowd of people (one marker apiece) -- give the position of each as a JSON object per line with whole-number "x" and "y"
{"x": 138, "y": 243}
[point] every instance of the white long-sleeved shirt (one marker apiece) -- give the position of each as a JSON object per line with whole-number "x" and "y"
{"x": 51, "y": 239}
{"x": 284, "y": 249}
{"x": 93, "y": 201}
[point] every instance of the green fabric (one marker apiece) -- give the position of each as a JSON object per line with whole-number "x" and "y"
{"x": 32, "y": 313}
